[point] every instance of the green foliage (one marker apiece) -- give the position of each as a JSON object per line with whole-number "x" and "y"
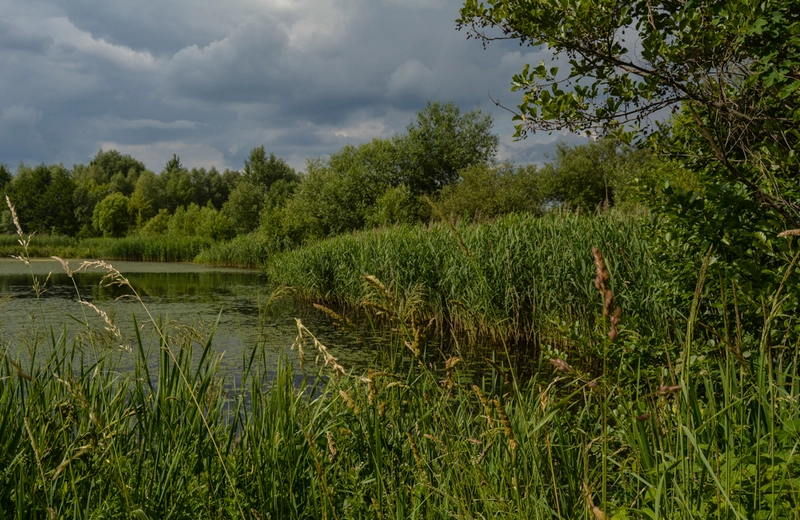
{"x": 517, "y": 277}
{"x": 729, "y": 66}
{"x": 251, "y": 250}
{"x": 337, "y": 195}
{"x": 43, "y": 198}
{"x": 730, "y": 60}
{"x": 174, "y": 164}
{"x": 112, "y": 215}
{"x": 440, "y": 143}
{"x": 192, "y": 221}
{"x": 5, "y": 177}
{"x": 397, "y": 205}
{"x": 43, "y": 245}
{"x": 149, "y": 195}
{"x": 487, "y": 191}
{"x": 85, "y": 198}
{"x": 90, "y": 430}
{"x": 380, "y": 182}
{"x": 111, "y": 165}
{"x": 262, "y": 171}
{"x": 599, "y": 174}
{"x": 730, "y": 63}
{"x": 244, "y": 206}
{"x": 178, "y": 188}
{"x": 720, "y": 213}
{"x": 195, "y": 221}
{"x": 211, "y": 186}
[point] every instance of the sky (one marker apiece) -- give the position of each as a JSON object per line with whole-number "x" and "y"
{"x": 210, "y": 80}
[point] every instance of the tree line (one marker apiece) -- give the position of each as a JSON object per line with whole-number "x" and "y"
{"x": 446, "y": 157}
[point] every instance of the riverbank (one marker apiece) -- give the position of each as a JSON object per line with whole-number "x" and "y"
{"x": 709, "y": 433}
{"x": 519, "y": 279}
{"x": 146, "y": 249}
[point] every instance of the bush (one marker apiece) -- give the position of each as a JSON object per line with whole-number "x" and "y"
{"x": 397, "y": 206}
{"x": 112, "y": 216}
{"x": 488, "y": 191}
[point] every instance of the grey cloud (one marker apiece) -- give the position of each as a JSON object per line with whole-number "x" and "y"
{"x": 152, "y": 123}
{"x": 19, "y": 133}
{"x": 239, "y": 68}
{"x": 14, "y": 38}
{"x": 157, "y": 26}
{"x": 215, "y": 79}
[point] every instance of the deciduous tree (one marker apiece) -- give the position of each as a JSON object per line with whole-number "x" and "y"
{"x": 733, "y": 65}
{"x": 439, "y": 143}
{"x": 112, "y": 215}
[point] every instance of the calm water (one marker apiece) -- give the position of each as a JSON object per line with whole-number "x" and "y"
{"x": 182, "y": 295}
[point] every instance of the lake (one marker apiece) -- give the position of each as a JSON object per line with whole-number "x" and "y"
{"x": 185, "y": 296}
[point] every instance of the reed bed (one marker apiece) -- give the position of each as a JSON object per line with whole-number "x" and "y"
{"x": 517, "y": 278}
{"x": 148, "y": 249}
{"x": 713, "y": 434}
{"x": 251, "y": 251}
{"x": 43, "y": 246}
{"x": 94, "y": 427}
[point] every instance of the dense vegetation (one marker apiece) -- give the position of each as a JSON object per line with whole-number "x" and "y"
{"x": 650, "y": 276}
{"x": 710, "y": 432}
{"x": 245, "y": 216}
{"x": 519, "y": 278}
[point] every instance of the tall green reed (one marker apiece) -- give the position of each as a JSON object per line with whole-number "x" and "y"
{"x": 150, "y": 249}
{"x": 711, "y": 433}
{"x": 524, "y": 278}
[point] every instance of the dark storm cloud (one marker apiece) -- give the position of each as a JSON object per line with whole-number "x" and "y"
{"x": 210, "y": 80}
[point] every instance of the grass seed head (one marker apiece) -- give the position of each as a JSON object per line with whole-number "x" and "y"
{"x": 666, "y": 389}
{"x": 501, "y": 413}
{"x": 487, "y": 408}
{"x": 14, "y": 217}
{"x": 332, "y": 451}
{"x": 560, "y": 365}
{"x": 64, "y": 264}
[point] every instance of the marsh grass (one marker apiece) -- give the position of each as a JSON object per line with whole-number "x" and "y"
{"x": 519, "y": 279}
{"x": 81, "y": 438}
{"x": 250, "y": 250}
{"x": 710, "y": 434}
{"x": 148, "y": 249}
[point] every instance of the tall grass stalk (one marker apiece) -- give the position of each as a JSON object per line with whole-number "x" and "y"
{"x": 84, "y": 437}
{"x": 517, "y": 278}
{"x": 90, "y": 431}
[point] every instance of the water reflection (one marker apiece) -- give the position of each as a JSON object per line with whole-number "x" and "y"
{"x": 186, "y": 297}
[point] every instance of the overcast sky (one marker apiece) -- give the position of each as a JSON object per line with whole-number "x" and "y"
{"x": 210, "y": 80}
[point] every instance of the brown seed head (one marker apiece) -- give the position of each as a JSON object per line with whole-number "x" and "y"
{"x": 451, "y": 362}
{"x": 612, "y": 334}
{"x": 598, "y": 513}
{"x": 664, "y": 390}
{"x": 332, "y": 451}
{"x": 560, "y": 365}
{"x": 608, "y": 302}
{"x": 501, "y": 413}
{"x": 603, "y": 276}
